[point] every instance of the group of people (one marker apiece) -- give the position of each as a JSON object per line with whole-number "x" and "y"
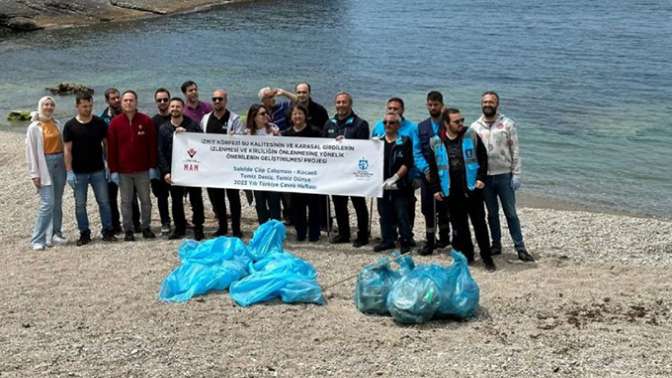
{"x": 125, "y": 153}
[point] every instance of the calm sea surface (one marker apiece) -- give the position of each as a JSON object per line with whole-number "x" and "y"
{"x": 589, "y": 82}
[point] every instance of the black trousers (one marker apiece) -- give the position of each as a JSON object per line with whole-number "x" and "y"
{"x": 113, "y": 193}
{"x": 218, "y": 202}
{"x": 343, "y": 216}
{"x": 195, "y": 198}
{"x": 267, "y": 205}
{"x": 463, "y": 208}
{"x": 433, "y": 210}
{"x": 300, "y": 202}
{"x": 161, "y": 191}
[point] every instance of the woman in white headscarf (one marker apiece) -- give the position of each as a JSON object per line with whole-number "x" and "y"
{"x": 46, "y": 166}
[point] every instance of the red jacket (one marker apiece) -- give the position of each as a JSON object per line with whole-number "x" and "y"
{"x": 131, "y": 147}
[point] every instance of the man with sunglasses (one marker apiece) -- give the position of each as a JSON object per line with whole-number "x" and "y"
{"x": 160, "y": 188}
{"x": 458, "y": 169}
{"x": 194, "y": 108}
{"x": 223, "y": 121}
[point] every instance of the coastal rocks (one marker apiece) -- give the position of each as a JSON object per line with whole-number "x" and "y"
{"x": 18, "y": 115}
{"x": 63, "y": 89}
{"x": 19, "y": 24}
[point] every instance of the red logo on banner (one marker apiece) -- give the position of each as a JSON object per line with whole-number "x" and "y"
{"x": 191, "y": 152}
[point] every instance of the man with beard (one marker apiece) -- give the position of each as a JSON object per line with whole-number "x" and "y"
{"x": 131, "y": 157}
{"x": 113, "y": 101}
{"x": 317, "y": 114}
{"x": 84, "y": 138}
{"x": 160, "y": 189}
{"x": 194, "y": 108}
{"x": 422, "y": 153}
{"x": 504, "y": 170}
{"x": 179, "y": 123}
{"x": 347, "y": 125}
{"x": 458, "y": 168}
{"x": 223, "y": 121}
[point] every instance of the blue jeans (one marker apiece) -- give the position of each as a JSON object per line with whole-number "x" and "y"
{"x": 99, "y": 185}
{"x": 499, "y": 186}
{"x": 50, "y": 213}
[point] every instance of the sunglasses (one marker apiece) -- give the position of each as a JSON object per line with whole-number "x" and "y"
{"x": 162, "y": 100}
{"x": 458, "y": 121}
{"x": 390, "y": 123}
{"x": 217, "y": 99}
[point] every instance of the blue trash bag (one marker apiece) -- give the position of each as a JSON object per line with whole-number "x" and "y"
{"x": 213, "y": 251}
{"x": 267, "y": 238}
{"x": 374, "y": 283}
{"x": 463, "y": 293}
{"x": 414, "y": 298}
{"x": 279, "y": 275}
{"x": 193, "y": 279}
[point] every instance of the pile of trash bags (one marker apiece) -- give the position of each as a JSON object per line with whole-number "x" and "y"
{"x": 416, "y": 294}
{"x": 253, "y": 273}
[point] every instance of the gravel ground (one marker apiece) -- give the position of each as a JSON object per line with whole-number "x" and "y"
{"x": 598, "y": 302}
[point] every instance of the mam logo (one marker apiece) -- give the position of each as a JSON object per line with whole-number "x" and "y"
{"x": 191, "y": 164}
{"x": 363, "y": 164}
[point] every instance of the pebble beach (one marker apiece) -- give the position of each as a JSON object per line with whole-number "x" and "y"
{"x": 597, "y": 302}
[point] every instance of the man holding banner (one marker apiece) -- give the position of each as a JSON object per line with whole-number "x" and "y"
{"x": 347, "y": 125}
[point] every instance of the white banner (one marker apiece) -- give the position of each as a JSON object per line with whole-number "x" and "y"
{"x": 282, "y": 164}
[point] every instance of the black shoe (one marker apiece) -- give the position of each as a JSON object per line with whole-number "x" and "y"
{"x": 404, "y": 248}
{"x": 382, "y": 246}
{"x": 412, "y": 244}
{"x": 428, "y": 248}
{"x": 176, "y": 235}
{"x": 198, "y": 234}
{"x": 489, "y": 265}
{"x": 496, "y": 249}
{"x": 470, "y": 260}
{"x": 444, "y": 239}
{"x": 238, "y": 235}
{"x": 137, "y": 228}
{"x": 313, "y": 240}
{"x": 84, "y": 238}
{"x": 359, "y": 243}
{"x": 128, "y": 236}
{"x": 218, "y": 233}
{"x": 524, "y": 256}
{"x": 116, "y": 229}
{"x": 108, "y": 236}
{"x": 340, "y": 239}
{"x": 148, "y": 234}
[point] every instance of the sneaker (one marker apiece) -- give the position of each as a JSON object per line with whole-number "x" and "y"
{"x": 176, "y": 235}
{"x": 489, "y": 265}
{"x": 340, "y": 239}
{"x": 360, "y": 243}
{"x": 198, "y": 234}
{"x": 382, "y": 246}
{"x": 58, "y": 239}
{"x": 523, "y": 255}
{"x": 38, "y": 247}
{"x": 148, "y": 234}
{"x": 165, "y": 229}
{"x": 84, "y": 238}
{"x": 128, "y": 236}
{"x": 109, "y": 237}
{"x": 496, "y": 249}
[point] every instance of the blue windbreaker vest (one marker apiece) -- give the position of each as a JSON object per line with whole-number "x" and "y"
{"x": 469, "y": 143}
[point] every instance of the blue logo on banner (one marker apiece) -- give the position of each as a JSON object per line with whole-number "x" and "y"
{"x": 363, "y": 164}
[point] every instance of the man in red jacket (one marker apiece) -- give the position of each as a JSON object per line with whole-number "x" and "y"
{"x": 131, "y": 158}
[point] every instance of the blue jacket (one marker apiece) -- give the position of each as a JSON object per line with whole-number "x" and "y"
{"x": 422, "y": 150}
{"x": 475, "y": 158}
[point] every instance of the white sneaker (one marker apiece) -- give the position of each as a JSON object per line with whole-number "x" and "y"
{"x": 59, "y": 239}
{"x": 38, "y": 247}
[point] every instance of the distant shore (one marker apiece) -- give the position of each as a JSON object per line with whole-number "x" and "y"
{"x": 42, "y": 14}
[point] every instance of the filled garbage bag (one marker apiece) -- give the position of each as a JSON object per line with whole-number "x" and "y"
{"x": 461, "y": 294}
{"x": 279, "y": 275}
{"x": 267, "y": 238}
{"x": 213, "y": 251}
{"x": 414, "y": 298}
{"x": 374, "y": 283}
{"x": 193, "y": 279}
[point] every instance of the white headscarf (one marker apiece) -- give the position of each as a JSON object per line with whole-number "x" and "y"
{"x": 39, "y": 115}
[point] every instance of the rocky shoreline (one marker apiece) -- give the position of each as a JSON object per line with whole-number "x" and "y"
{"x": 31, "y": 15}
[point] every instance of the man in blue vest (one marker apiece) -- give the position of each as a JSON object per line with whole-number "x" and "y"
{"x": 408, "y": 129}
{"x": 458, "y": 170}
{"x": 422, "y": 152}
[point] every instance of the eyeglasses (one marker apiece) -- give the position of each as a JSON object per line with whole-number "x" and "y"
{"x": 217, "y": 99}
{"x": 161, "y": 100}
{"x": 458, "y": 121}
{"x": 390, "y": 123}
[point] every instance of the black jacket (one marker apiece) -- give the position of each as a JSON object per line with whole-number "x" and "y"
{"x": 401, "y": 154}
{"x": 307, "y": 132}
{"x": 166, "y": 132}
{"x": 352, "y": 127}
{"x": 481, "y": 156}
